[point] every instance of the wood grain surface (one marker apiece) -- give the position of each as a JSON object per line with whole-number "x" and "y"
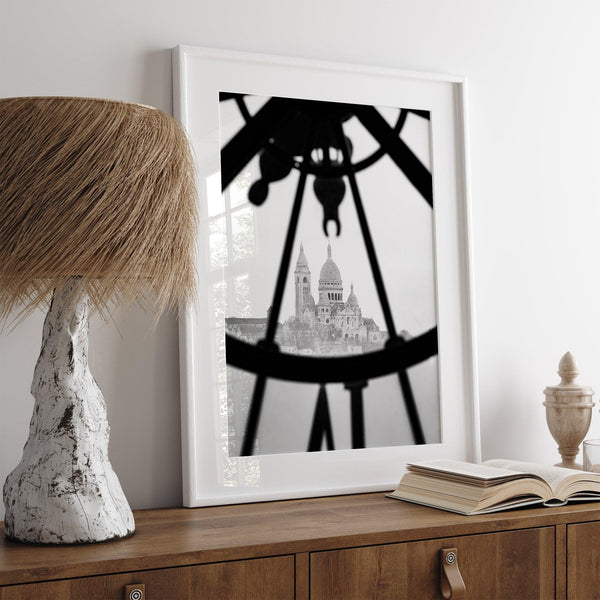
{"x": 495, "y": 566}
{"x": 182, "y": 537}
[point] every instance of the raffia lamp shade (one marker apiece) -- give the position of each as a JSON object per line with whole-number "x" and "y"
{"x": 97, "y": 207}
{"x": 100, "y": 189}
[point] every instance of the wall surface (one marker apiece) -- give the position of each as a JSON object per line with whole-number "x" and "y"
{"x": 534, "y": 126}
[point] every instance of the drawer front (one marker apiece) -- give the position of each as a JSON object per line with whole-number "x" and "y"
{"x": 515, "y": 564}
{"x": 257, "y": 579}
{"x": 583, "y": 561}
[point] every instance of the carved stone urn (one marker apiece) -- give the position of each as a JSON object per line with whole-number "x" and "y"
{"x": 568, "y": 411}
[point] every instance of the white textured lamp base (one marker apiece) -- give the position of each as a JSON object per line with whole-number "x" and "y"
{"x": 64, "y": 490}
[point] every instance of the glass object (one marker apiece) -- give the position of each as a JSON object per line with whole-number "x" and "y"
{"x": 591, "y": 456}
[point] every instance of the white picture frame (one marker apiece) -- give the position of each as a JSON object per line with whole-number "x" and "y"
{"x": 199, "y": 74}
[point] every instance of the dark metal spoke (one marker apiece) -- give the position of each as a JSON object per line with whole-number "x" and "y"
{"x": 321, "y": 425}
{"x": 366, "y": 234}
{"x": 254, "y": 136}
{"x": 370, "y": 160}
{"x": 243, "y": 108}
{"x": 425, "y": 114}
{"x": 398, "y": 151}
{"x": 409, "y": 400}
{"x": 224, "y": 96}
{"x": 286, "y": 257}
{"x": 254, "y": 416}
{"x": 357, "y": 412}
{"x": 311, "y": 369}
{"x": 411, "y": 407}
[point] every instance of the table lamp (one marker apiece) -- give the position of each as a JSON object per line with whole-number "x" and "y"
{"x": 97, "y": 209}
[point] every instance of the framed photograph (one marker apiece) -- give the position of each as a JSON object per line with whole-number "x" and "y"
{"x": 333, "y": 336}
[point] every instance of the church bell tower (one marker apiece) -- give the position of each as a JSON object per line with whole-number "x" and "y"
{"x": 302, "y": 284}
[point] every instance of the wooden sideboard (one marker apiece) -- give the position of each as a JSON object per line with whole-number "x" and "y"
{"x": 343, "y": 547}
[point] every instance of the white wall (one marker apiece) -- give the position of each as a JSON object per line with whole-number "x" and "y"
{"x": 534, "y": 112}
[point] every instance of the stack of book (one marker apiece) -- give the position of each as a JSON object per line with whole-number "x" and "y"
{"x": 494, "y": 485}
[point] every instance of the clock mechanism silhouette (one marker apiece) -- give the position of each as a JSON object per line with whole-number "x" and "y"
{"x": 307, "y": 136}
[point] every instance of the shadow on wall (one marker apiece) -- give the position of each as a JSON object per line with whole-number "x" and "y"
{"x": 137, "y": 368}
{"x": 156, "y": 83}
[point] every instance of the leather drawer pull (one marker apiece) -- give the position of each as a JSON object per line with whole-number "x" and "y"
{"x": 451, "y": 581}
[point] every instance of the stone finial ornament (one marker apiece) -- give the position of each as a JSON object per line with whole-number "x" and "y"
{"x": 568, "y": 411}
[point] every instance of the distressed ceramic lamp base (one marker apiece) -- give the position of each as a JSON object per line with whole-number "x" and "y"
{"x": 64, "y": 490}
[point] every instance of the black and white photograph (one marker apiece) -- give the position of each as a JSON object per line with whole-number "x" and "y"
{"x": 322, "y": 267}
{"x": 331, "y": 340}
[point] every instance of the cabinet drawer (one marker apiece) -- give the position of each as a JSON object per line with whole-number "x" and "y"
{"x": 257, "y": 579}
{"x": 513, "y": 564}
{"x": 583, "y": 566}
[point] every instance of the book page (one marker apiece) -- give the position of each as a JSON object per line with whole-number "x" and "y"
{"x": 554, "y": 476}
{"x": 455, "y": 508}
{"x": 482, "y": 472}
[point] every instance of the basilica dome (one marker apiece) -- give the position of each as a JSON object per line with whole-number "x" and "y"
{"x": 329, "y": 271}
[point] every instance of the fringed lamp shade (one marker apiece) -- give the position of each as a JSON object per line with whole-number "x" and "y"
{"x": 99, "y": 189}
{"x": 97, "y": 202}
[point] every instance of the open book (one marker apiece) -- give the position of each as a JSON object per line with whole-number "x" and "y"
{"x": 494, "y": 485}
